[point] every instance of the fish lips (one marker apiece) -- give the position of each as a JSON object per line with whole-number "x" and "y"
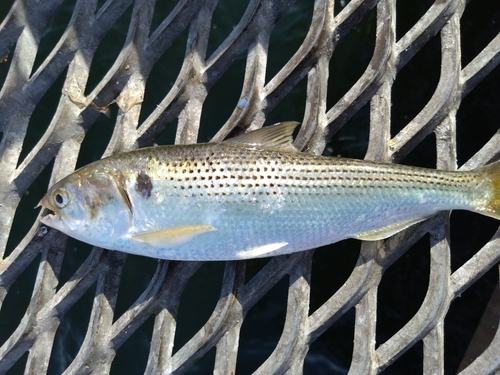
{"x": 50, "y": 218}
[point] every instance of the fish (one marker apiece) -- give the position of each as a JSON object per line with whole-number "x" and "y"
{"x": 250, "y": 196}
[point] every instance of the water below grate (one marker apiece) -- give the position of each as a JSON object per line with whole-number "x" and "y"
{"x": 412, "y": 82}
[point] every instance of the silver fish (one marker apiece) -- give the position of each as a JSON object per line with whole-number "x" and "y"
{"x": 252, "y": 196}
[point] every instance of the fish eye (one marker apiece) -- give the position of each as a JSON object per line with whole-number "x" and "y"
{"x": 61, "y": 198}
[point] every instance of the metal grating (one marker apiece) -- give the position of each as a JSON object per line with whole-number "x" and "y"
{"x": 28, "y": 148}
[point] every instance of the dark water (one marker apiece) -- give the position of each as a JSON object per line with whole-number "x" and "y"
{"x": 404, "y": 284}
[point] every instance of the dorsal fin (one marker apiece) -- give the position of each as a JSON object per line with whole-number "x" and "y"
{"x": 277, "y": 137}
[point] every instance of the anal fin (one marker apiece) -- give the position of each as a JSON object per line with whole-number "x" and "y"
{"x": 172, "y": 236}
{"x": 382, "y": 233}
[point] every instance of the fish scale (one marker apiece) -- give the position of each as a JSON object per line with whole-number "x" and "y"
{"x": 266, "y": 197}
{"x": 253, "y": 196}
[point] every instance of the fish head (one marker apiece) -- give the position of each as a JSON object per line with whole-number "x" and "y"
{"x": 90, "y": 205}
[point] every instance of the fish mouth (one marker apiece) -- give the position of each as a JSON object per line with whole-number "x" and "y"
{"x": 49, "y": 216}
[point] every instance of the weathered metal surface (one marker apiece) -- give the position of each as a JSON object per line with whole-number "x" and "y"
{"x": 124, "y": 89}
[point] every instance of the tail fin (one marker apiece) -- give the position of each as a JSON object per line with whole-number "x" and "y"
{"x": 491, "y": 176}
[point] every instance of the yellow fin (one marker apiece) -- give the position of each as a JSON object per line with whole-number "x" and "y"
{"x": 172, "y": 236}
{"x": 278, "y": 137}
{"x": 382, "y": 233}
{"x": 491, "y": 175}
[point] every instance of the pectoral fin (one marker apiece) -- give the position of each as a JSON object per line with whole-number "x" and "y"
{"x": 172, "y": 236}
{"x": 382, "y": 233}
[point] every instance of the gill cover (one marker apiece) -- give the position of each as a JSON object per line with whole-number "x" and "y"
{"x": 92, "y": 206}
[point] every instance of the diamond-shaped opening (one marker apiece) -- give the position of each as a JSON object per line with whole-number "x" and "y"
{"x": 351, "y": 58}
{"x": 287, "y": 36}
{"x": 17, "y": 300}
{"x": 25, "y": 214}
{"x": 136, "y": 276}
{"x": 291, "y": 107}
{"x": 132, "y": 356}
{"x": 477, "y": 117}
{"x": 108, "y": 50}
{"x": 71, "y": 333}
{"x": 473, "y": 39}
{"x": 351, "y": 141}
{"x": 226, "y": 16}
{"x": 162, "y": 77}
{"x": 42, "y": 116}
{"x": 221, "y": 100}
{"x": 324, "y": 281}
{"x": 53, "y": 32}
{"x": 331, "y": 353}
{"x": 463, "y": 322}
{"x": 402, "y": 290}
{"x": 97, "y": 138}
{"x": 161, "y": 12}
{"x": 198, "y": 301}
{"x": 415, "y": 84}
{"x": 408, "y": 13}
{"x": 410, "y": 362}
{"x": 5, "y": 63}
{"x": 76, "y": 253}
{"x": 469, "y": 232}
{"x": 262, "y": 328}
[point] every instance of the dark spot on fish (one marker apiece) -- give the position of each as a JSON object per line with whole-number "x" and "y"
{"x": 143, "y": 185}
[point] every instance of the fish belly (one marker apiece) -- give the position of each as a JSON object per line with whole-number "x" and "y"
{"x": 274, "y": 226}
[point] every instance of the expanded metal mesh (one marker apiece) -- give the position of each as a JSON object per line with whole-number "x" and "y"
{"x": 36, "y": 263}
